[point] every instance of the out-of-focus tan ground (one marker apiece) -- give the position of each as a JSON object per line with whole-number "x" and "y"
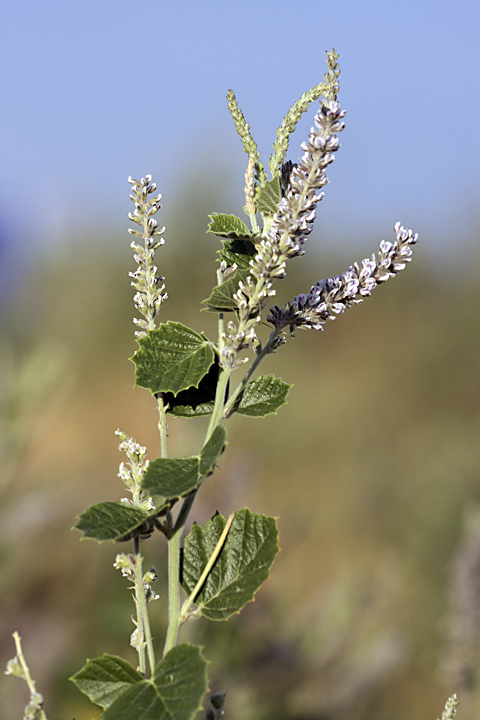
{"x": 372, "y": 469}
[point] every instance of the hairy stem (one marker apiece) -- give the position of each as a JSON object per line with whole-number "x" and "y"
{"x": 162, "y": 425}
{"x": 173, "y": 589}
{"x": 229, "y": 407}
{"x": 26, "y": 671}
{"x": 143, "y": 620}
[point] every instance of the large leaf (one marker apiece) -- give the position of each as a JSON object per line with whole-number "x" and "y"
{"x": 174, "y": 693}
{"x": 172, "y": 477}
{"x": 103, "y": 679}
{"x": 212, "y": 450}
{"x": 238, "y": 252}
{"x": 195, "y": 402}
{"x": 228, "y": 226}
{"x": 241, "y": 568}
{"x": 269, "y": 197}
{"x": 172, "y": 358}
{"x": 221, "y": 298}
{"x": 110, "y": 521}
{"x": 262, "y": 396}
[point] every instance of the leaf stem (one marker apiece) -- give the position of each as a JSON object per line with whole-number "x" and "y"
{"x": 26, "y": 671}
{"x": 218, "y": 548}
{"x": 143, "y": 620}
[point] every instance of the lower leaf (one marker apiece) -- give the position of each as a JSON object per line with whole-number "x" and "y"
{"x": 174, "y": 693}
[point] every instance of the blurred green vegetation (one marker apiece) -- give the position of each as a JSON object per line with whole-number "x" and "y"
{"x": 370, "y": 469}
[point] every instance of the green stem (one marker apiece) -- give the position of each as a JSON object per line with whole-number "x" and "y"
{"x": 174, "y": 543}
{"x": 143, "y": 620}
{"x": 228, "y": 410}
{"x": 25, "y": 669}
{"x": 253, "y": 223}
{"x": 173, "y": 590}
{"x": 217, "y": 413}
{"x": 162, "y": 425}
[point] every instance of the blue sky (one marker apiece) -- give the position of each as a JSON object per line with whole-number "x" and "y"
{"x": 96, "y": 90}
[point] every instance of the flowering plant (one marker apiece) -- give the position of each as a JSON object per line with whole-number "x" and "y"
{"x": 220, "y": 566}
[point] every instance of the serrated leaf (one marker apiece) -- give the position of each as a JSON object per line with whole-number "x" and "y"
{"x": 212, "y": 450}
{"x": 172, "y": 477}
{"x": 221, "y": 298}
{"x": 174, "y": 693}
{"x": 195, "y": 402}
{"x": 228, "y": 226}
{"x": 239, "y": 252}
{"x": 241, "y": 568}
{"x": 110, "y": 520}
{"x": 262, "y": 396}
{"x": 181, "y": 678}
{"x": 103, "y": 679}
{"x": 172, "y": 358}
{"x": 269, "y": 197}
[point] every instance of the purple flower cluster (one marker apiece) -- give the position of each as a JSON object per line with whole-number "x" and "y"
{"x": 330, "y": 297}
{"x": 296, "y": 211}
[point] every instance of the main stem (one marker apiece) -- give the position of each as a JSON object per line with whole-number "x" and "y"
{"x": 174, "y": 615}
{"x": 173, "y": 590}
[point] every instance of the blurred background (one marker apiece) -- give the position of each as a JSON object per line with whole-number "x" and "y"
{"x": 373, "y": 607}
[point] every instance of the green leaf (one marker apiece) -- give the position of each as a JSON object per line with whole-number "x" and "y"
{"x": 212, "y": 450}
{"x": 172, "y": 477}
{"x": 269, "y": 197}
{"x": 241, "y": 568}
{"x": 181, "y": 679}
{"x": 172, "y": 358}
{"x": 174, "y": 693}
{"x": 228, "y": 226}
{"x": 221, "y": 298}
{"x": 262, "y": 396}
{"x": 239, "y": 252}
{"x": 195, "y": 402}
{"x": 104, "y": 679}
{"x": 110, "y": 521}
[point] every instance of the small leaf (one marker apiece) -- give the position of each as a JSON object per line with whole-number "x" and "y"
{"x": 110, "y": 520}
{"x": 195, "y": 402}
{"x": 241, "y": 568}
{"x": 104, "y": 679}
{"x": 221, "y": 298}
{"x": 212, "y": 450}
{"x": 262, "y": 396}
{"x": 172, "y": 477}
{"x": 175, "y": 693}
{"x": 172, "y": 358}
{"x": 269, "y": 197}
{"x": 239, "y": 252}
{"x": 228, "y": 226}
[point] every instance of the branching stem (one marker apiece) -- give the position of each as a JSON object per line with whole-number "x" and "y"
{"x": 229, "y": 407}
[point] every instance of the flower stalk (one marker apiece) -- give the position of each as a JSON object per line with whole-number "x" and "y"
{"x": 18, "y": 667}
